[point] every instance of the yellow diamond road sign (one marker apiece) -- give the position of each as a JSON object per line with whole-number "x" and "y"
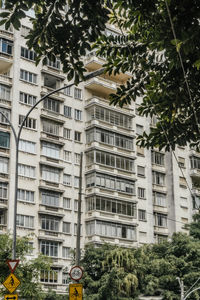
{"x": 11, "y": 283}
{"x": 11, "y": 297}
{"x": 76, "y": 291}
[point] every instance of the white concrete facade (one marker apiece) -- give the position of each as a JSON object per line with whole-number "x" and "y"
{"x": 130, "y": 196}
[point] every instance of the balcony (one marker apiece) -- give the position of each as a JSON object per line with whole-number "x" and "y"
{"x": 161, "y": 230}
{"x": 6, "y": 33}
{"x": 195, "y": 173}
{"x": 5, "y": 79}
{"x": 3, "y": 204}
{"x": 51, "y": 211}
{"x": 94, "y": 62}
{"x": 101, "y": 86}
{"x": 160, "y": 209}
{"x": 6, "y": 49}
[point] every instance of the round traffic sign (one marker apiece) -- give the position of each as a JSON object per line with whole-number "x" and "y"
{"x": 76, "y": 273}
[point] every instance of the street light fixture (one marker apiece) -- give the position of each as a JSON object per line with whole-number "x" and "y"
{"x": 17, "y": 138}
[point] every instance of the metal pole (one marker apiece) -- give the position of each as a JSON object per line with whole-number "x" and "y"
{"x": 181, "y": 287}
{"x": 17, "y": 138}
{"x": 78, "y": 238}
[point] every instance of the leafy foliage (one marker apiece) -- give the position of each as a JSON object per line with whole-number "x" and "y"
{"x": 59, "y": 30}
{"x": 145, "y": 47}
{"x": 28, "y": 271}
{"x": 119, "y": 273}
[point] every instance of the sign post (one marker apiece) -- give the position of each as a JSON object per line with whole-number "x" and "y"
{"x": 11, "y": 283}
{"x": 76, "y": 289}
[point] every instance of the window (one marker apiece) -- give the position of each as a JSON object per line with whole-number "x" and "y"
{"x": 52, "y": 105}
{"x": 75, "y": 205}
{"x": 4, "y": 139}
{"x": 29, "y": 54}
{"x": 49, "y": 276}
{"x": 5, "y": 92}
{"x": 115, "y": 230}
{"x": 158, "y": 178}
{"x": 78, "y": 114}
{"x": 51, "y": 127}
{"x": 66, "y": 227}
{"x": 160, "y": 220}
{"x": 159, "y": 199}
{"x": 67, "y": 133}
{"x": 142, "y": 215}
{"x": 30, "y": 123}
{"x": 51, "y": 82}
{"x": 110, "y": 182}
{"x": 182, "y": 182}
{"x": 27, "y": 98}
{"x": 50, "y": 198}
{"x": 49, "y": 248}
{"x": 67, "y": 111}
{"x": 66, "y": 203}
{"x": 195, "y": 162}
{"x": 184, "y": 202}
{"x": 26, "y": 171}
{"x": 141, "y": 193}
{"x": 28, "y": 76}
{"x": 27, "y": 146}
{"x": 77, "y": 136}
{"x": 110, "y": 138}
{"x": 66, "y": 252}
{"x": 67, "y": 179}
{"x": 50, "y": 150}
{"x": 67, "y": 91}
{"x": 49, "y": 223}
{"x": 111, "y": 205}
{"x": 181, "y": 162}
{"x": 3, "y": 190}
{"x": 67, "y": 156}
{"x": 78, "y": 93}
{"x": 157, "y": 158}
{"x": 25, "y": 195}
{"x": 2, "y": 218}
{"x": 76, "y": 181}
{"x": 196, "y": 202}
{"x": 25, "y": 30}
{"x": 25, "y": 221}
{"x": 4, "y": 165}
{"x": 111, "y": 117}
{"x": 54, "y": 63}
{"x": 65, "y": 276}
{"x": 50, "y": 174}
{"x": 139, "y": 129}
{"x": 110, "y": 160}
{"x": 140, "y": 171}
{"x": 6, "y": 112}
{"x": 6, "y": 46}
{"x": 77, "y": 158}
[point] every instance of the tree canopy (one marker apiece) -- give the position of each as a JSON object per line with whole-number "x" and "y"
{"x": 157, "y": 42}
{"x": 119, "y": 273}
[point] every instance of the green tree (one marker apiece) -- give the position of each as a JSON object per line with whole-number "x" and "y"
{"x": 146, "y": 47}
{"x": 28, "y": 271}
{"x": 194, "y": 227}
{"x": 119, "y": 273}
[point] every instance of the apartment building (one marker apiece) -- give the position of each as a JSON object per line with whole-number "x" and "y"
{"x": 130, "y": 195}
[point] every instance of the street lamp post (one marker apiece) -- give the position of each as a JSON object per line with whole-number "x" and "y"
{"x": 17, "y": 138}
{"x": 185, "y": 295}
